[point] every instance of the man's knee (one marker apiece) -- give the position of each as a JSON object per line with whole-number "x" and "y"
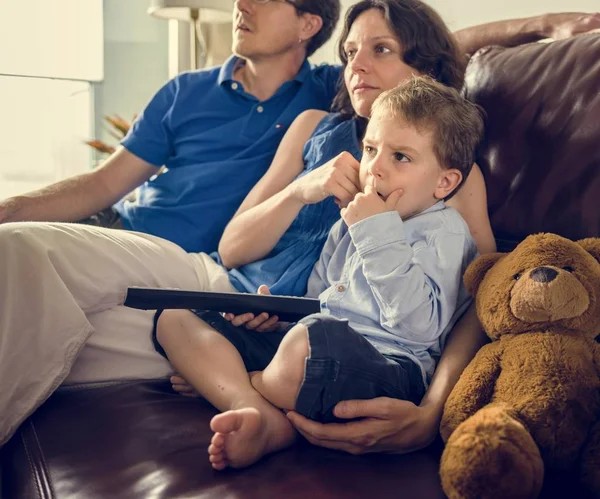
{"x": 18, "y": 238}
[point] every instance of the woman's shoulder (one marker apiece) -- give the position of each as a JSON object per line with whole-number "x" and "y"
{"x": 320, "y": 122}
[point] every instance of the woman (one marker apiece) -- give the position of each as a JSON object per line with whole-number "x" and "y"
{"x": 292, "y": 207}
{"x": 291, "y": 210}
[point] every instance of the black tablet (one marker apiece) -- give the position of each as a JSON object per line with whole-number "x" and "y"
{"x": 287, "y": 308}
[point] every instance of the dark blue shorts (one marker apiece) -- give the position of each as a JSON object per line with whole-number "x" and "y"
{"x": 342, "y": 364}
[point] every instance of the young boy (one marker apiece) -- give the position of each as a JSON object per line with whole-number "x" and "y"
{"x": 389, "y": 280}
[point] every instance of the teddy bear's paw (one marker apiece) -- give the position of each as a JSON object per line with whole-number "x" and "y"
{"x": 491, "y": 455}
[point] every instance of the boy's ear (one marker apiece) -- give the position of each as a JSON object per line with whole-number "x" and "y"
{"x": 476, "y": 272}
{"x": 449, "y": 180}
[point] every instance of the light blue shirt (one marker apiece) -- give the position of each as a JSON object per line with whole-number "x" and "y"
{"x": 399, "y": 283}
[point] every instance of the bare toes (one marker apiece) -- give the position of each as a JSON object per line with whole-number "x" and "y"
{"x": 218, "y": 439}
{"x": 220, "y": 466}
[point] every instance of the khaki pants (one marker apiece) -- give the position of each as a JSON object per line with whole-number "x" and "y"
{"x": 61, "y": 316}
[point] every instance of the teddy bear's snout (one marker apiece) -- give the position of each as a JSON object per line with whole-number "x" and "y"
{"x": 543, "y": 274}
{"x": 548, "y": 294}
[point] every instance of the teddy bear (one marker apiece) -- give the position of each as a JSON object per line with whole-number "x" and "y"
{"x": 530, "y": 399}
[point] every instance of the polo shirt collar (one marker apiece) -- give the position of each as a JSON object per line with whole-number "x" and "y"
{"x": 228, "y": 68}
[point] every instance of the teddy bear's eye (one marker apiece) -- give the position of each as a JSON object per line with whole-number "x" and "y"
{"x": 568, "y": 268}
{"x": 516, "y": 277}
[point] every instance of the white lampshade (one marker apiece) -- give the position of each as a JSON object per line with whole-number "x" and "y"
{"x": 211, "y": 11}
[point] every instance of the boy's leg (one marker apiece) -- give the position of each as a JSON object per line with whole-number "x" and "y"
{"x": 61, "y": 292}
{"x": 281, "y": 380}
{"x": 210, "y": 362}
{"x": 323, "y": 361}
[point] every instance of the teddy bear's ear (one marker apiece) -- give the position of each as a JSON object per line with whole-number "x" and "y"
{"x": 592, "y": 246}
{"x": 476, "y": 271}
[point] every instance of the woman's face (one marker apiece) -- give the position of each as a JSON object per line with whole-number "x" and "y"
{"x": 375, "y": 61}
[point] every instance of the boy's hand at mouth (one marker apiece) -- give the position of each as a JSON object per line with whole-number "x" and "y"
{"x": 370, "y": 203}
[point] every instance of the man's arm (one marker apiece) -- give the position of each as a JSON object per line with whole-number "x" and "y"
{"x": 79, "y": 197}
{"x": 517, "y": 31}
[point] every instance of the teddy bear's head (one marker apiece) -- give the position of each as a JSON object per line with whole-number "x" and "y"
{"x": 546, "y": 282}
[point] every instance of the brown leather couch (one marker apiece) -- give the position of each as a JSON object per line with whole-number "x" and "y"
{"x": 541, "y": 161}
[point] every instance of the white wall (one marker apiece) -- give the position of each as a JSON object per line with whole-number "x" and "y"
{"x": 460, "y": 14}
{"x": 135, "y": 61}
{"x": 463, "y": 13}
{"x": 56, "y": 39}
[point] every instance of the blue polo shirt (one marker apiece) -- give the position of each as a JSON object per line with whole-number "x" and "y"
{"x": 216, "y": 141}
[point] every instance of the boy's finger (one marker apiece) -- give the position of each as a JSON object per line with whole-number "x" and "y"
{"x": 253, "y": 324}
{"x": 240, "y": 320}
{"x": 393, "y": 198}
{"x": 268, "y": 325}
{"x": 370, "y": 190}
{"x": 263, "y": 289}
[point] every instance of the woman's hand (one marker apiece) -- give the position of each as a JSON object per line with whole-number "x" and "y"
{"x": 390, "y": 425}
{"x": 566, "y": 25}
{"x": 338, "y": 178}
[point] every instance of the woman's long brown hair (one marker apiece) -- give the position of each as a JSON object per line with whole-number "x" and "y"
{"x": 428, "y": 45}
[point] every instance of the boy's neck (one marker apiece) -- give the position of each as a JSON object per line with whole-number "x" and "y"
{"x": 263, "y": 77}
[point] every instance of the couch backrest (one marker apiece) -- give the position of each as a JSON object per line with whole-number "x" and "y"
{"x": 541, "y": 154}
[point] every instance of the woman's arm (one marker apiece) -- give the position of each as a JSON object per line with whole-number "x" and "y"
{"x": 471, "y": 202}
{"x": 267, "y": 212}
{"x": 517, "y": 31}
{"x": 277, "y": 198}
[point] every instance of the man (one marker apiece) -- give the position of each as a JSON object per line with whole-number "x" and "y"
{"x": 216, "y": 131}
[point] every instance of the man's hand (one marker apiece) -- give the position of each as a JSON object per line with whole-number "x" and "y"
{"x": 367, "y": 204}
{"x": 262, "y": 322}
{"x": 566, "y": 25}
{"x": 390, "y": 425}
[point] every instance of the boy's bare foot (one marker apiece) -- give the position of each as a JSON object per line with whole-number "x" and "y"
{"x": 180, "y": 385}
{"x": 243, "y": 436}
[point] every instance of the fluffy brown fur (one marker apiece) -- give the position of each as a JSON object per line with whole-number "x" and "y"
{"x": 530, "y": 399}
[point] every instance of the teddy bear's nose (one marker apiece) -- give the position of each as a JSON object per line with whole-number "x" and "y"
{"x": 543, "y": 274}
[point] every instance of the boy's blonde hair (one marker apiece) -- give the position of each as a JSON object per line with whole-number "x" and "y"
{"x": 426, "y": 104}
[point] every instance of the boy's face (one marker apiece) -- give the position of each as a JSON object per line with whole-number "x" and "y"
{"x": 398, "y": 156}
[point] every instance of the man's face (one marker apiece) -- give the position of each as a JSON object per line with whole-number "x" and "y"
{"x": 398, "y": 156}
{"x": 375, "y": 61}
{"x": 263, "y": 30}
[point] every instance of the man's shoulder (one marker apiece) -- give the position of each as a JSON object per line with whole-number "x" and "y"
{"x": 193, "y": 79}
{"x": 325, "y": 72}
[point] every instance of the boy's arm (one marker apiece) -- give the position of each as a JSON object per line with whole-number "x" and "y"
{"x": 318, "y": 282}
{"x": 513, "y": 32}
{"x": 416, "y": 287}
